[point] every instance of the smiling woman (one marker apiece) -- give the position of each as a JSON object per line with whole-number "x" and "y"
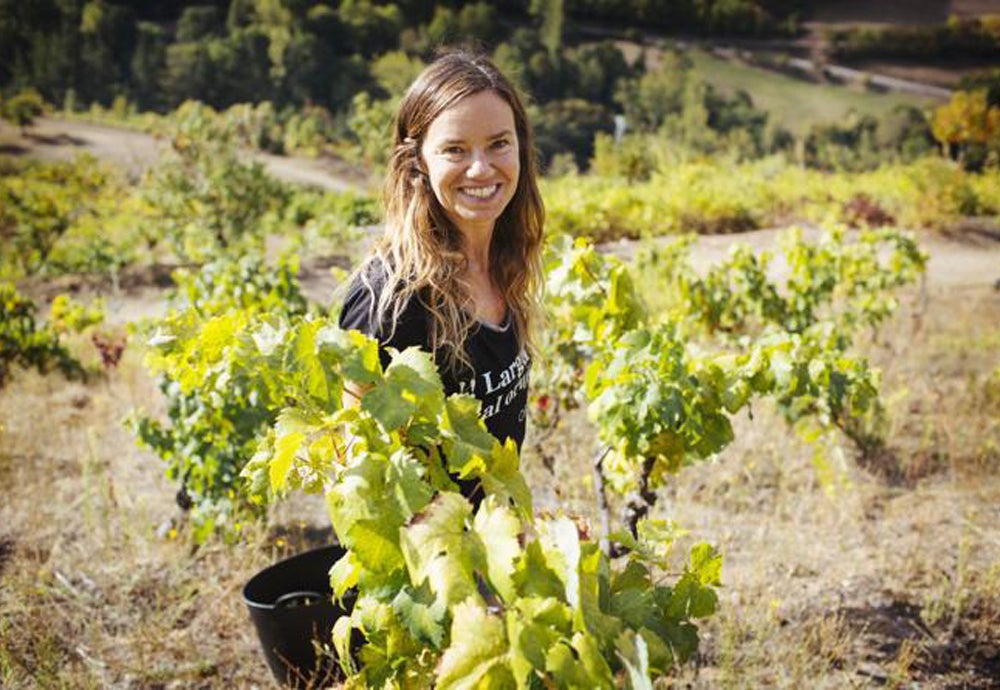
{"x": 458, "y": 270}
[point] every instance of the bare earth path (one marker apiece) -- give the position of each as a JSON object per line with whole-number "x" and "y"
{"x": 53, "y": 138}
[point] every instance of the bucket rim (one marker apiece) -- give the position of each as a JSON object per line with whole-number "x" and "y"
{"x": 263, "y": 572}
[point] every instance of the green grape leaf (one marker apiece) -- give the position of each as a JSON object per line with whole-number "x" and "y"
{"x": 375, "y": 543}
{"x": 405, "y": 475}
{"x": 440, "y": 550}
{"x": 428, "y": 380}
{"x": 592, "y": 661}
{"x": 706, "y": 564}
{"x": 564, "y": 668}
{"x": 467, "y": 443}
{"x": 354, "y": 353}
{"x": 534, "y": 577}
{"x": 634, "y": 654}
{"x": 360, "y": 494}
{"x": 290, "y": 434}
{"x": 562, "y": 550}
{"x": 534, "y": 625}
{"x": 503, "y": 478}
{"x": 478, "y": 645}
{"x": 422, "y": 615}
{"x": 344, "y": 575}
{"x": 499, "y": 529}
{"x": 342, "y": 644}
{"x": 389, "y": 403}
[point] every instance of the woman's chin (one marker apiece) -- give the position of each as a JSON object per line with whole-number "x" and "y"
{"x": 476, "y": 219}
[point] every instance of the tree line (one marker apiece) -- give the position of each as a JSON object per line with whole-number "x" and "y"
{"x": 290, "y": 52}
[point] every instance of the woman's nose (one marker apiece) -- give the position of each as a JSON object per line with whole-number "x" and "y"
{"x": 479, "y": 165}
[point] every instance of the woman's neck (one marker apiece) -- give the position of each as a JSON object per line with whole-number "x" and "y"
{"x": 477, "y": 249}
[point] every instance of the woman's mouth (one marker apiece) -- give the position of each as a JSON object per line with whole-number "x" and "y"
{"x": 481, "y": 193}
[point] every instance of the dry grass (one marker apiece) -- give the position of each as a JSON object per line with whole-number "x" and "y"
{"x": 877, "y": 576}
{"x": 92, "y": 595}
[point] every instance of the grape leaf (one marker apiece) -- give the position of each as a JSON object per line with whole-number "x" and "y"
{"x": 375, "y": 543}
{"x": 478, "y": 645}
{"x": 439, "y": 549}
{"x": 634, "y": 654}
{"x": 498, "y": 529}
{"x": 422, "y": 614}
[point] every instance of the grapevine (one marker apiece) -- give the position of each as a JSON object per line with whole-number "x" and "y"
{"x": 26, "y": 343}
{"x": 215, "y": 405}
{"x": 661, "y": 392}
{"x": 448, "y": 595}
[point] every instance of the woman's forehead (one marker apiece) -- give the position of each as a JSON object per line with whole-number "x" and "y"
{"x": 481, "y": 115}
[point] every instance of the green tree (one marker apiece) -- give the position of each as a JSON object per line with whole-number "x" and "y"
{"x": 108, "y": 35}
{"x": 23, "y": 108}
{"x": 324, "y": 22}
{"x": 241, "y": 15}
{"x": 851, "y": 146}
{"x": 967, "y": 125}
{"x": 370, "y": 121}
{"x": 52, "y": 63}
{"x": 149, "y": 62}
{"x": 243, "y": 66}
{"x": 551, "y": 17}
{"x": 737, "y": 118}
{"x": 650, "y": 99}
{"x": 395, "y": 71}
{"x": 597, "y": 69}
{"x": 569, "y": 125}
{"x": 693, "y": 123}
{"x": 189, "y": 73}
{"x": 906, "y": 131}
{"x": 477, "y": 22}
{"x": 198, "y": 23}
{"x": 370, "y": 29}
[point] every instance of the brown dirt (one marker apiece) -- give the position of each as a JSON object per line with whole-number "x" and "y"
{"x": 56, "y": 139}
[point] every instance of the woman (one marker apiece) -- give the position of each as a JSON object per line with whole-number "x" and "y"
{"x": 458, "y": 270}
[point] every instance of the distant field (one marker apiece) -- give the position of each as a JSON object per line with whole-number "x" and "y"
{"x": 793, "y": 103}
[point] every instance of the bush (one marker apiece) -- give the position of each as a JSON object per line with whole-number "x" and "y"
{"x": 25, "y": 343}
{"x": 214, "y": 421}
{"x": 22, "y": 109}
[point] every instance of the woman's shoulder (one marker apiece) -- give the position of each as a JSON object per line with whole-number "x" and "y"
{"x": 362, "y": 295}
{"x": 362, "y": 299}
{"x": 371, "y": 274}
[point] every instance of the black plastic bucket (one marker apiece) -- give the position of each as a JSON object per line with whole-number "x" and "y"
{"x": 291, "y": 605}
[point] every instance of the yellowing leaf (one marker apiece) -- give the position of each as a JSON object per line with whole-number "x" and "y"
{"x": 478, "y": 645}
{"x": 498, "y": 529}
{"x": 285, "y": 448}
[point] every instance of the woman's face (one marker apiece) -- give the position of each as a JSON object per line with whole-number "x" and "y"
{"x": 471, "y": 156}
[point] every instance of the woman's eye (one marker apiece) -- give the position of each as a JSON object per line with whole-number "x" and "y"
{"x": 501, "y": 143}
{"x": 452, "y": 150}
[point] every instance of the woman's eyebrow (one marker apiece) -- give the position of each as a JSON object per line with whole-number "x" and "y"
{"x": 498, "y": 135}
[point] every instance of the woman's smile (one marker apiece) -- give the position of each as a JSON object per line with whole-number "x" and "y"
{"x": 481, "y": 192}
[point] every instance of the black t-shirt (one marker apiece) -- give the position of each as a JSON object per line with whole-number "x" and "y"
{"x": 499, "y": 376}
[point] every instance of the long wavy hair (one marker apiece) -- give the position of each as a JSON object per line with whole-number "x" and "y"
{"x": 421, "y": 250}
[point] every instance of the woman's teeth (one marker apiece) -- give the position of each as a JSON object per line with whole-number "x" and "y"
{"x": 481, "y": 192}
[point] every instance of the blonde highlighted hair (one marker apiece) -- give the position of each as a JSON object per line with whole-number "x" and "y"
{"x": 421, "y": 250}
